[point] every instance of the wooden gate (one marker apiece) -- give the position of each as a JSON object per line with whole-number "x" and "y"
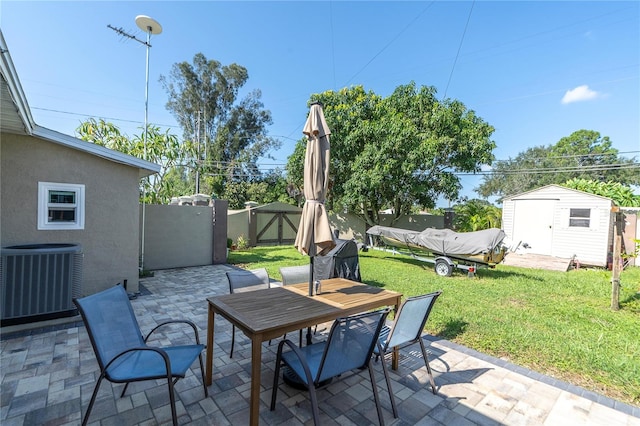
{"x": 273, "y": 227}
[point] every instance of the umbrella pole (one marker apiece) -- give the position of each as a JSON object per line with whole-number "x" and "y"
{"x": 312, "y": 256}
{"x": 311, "y": 259}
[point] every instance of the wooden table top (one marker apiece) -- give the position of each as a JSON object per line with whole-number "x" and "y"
{"x": 277, "y": 310}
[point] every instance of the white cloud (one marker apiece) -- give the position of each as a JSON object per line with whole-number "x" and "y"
{"x": 579, "y": 94}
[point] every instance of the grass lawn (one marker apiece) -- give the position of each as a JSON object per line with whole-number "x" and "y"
{"x": 557, "y": 323}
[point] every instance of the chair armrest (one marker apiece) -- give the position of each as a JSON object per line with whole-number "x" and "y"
{"x": 296, "y": 350}
{"x": 190, "y": 323}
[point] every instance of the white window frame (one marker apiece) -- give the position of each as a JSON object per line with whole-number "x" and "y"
{"x": 581, "y": 218}
{"x": 43, "y": 206}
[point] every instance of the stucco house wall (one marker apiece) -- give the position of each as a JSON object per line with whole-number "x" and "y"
{"x": 30, "y": 154}
{"x": 178, "y": 236}
{"x": 541, "y": 218}
{"x": 110, "y": 236}
{"x": 238, "y": 224}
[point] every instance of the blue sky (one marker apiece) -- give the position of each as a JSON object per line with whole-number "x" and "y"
{"x": 536, "y": 71}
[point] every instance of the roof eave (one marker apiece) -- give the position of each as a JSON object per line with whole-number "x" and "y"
{"x": 15, "y": 88}
{"x": 146, "y": 168}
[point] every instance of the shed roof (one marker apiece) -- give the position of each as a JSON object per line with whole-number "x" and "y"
{"x": 559, "y": 187}
{"x": 16, "y": 118}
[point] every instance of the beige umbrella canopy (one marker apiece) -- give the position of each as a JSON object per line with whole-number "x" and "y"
{"x": 314, "y": 235}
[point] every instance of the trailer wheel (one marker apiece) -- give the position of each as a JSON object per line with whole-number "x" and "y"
{"x": 443, "y": 268}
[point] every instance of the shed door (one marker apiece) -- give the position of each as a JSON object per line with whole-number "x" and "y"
{"x": 533, "y": 224}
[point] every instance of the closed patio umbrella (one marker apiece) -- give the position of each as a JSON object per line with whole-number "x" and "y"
{"x": 314, "y": 235}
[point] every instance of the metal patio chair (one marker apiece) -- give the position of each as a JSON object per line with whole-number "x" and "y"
{"x": 348, "y": 348}
{"x": 243, "y": 280}
{"x": 406, "y": 330}
{"x": 295, "y": 275}
{"x": 124, "y": 355}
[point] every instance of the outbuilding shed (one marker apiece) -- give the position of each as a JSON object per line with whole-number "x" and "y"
{"x": 561, "y": 222}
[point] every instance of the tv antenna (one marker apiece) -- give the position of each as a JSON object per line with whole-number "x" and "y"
{"x": 146, "y": 24}
{"x": 149, "y": 26}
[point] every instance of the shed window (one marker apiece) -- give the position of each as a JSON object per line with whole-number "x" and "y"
{"x": 579, "y": 218}
{"x": 60, "y": 206}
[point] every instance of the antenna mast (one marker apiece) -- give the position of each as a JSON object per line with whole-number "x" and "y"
{"x": 150, "y": 26}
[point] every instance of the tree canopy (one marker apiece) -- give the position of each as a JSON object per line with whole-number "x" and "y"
{"x": 582, "y": 155}
{"x": 161, "y": 148}
{"x": 476, "y": 215}
{"x": 396, "y": 152}
{"x": 229, "y": 131}
{"x": 270, "y": 187}
{"x": 622, "y": 195}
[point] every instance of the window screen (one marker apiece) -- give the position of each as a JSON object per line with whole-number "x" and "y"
{"x": 579, "y": 218}
{"x": 60, "y": 206}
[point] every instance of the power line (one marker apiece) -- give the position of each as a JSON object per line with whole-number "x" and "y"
{"x": 294, "y": 139}
{"x": 389, "y": 43}
{"x": 585, "y": 169}
{"x": 522, "y": 171}
{"x": 567, "y": 156}
{"x": 238, "y": 174}
{"x": 136, "y": 121}
{"x": 101, "y": 117}
{"x": 458, "y": 52}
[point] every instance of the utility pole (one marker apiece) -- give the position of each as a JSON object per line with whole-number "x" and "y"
{"x": 198, "y": 159}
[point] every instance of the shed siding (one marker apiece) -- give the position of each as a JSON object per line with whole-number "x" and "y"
{"x": 589, "y": 245}
{"x": 508, "y": 209}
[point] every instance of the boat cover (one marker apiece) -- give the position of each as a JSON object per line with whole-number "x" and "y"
{"x": 444, "y": 241}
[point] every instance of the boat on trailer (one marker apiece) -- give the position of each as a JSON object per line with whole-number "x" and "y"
{"x": 446, "y": 249}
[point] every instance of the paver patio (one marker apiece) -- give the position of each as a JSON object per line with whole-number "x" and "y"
{"x": 47, "y": 377}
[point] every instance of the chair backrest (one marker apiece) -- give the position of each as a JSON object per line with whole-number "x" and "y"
{"x": 295, "y": 274}
{"x": 110, "y": 323}
{"x": 350, "y": 343}
{"x": 242, "y": 280}
{"x": 411, "y": 318}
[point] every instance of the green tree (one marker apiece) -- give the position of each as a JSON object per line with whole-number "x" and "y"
{"x": 517, "y": 175}
{"x": 161, "y": 148}
{"x": 270, "y": 187}
{"x": 476, "y": 215}
{"x": 177, "y": 181}
{"x": 231, "y": 132}
{"x": 622, "y": 195}
{"x": 397, "y": 152}
{"x": 582, "y": 155}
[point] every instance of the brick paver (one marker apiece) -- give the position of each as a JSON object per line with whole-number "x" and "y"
{"x": 47, "y": 377}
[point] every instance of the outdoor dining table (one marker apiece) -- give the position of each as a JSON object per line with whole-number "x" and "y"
{"x": 266, "y": 314}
